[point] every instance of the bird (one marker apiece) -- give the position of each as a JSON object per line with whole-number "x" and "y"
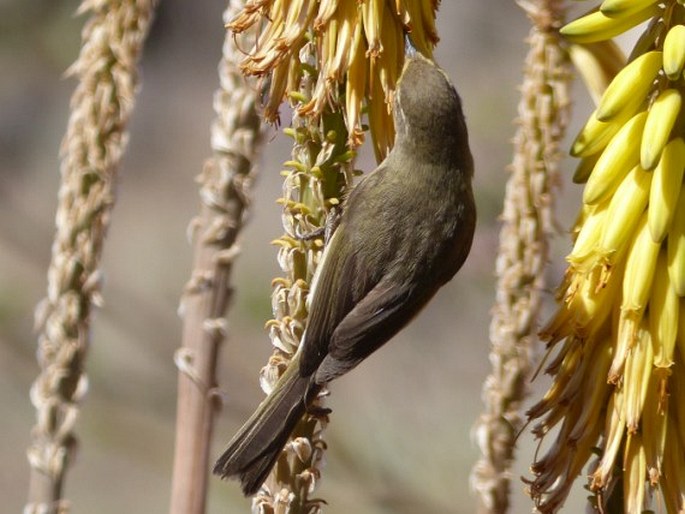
{"x": 405, "y": 230}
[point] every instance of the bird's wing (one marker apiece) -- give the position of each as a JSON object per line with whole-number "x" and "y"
{"x": 331, "y": 300}
{"x": 355, "y": 306}
{"x": 374, "y": 320}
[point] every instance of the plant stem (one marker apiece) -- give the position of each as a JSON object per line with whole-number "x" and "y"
{"x": 225, "y": 192}
{"x": 320, "y": 171}
{"x": 523, "y": 251}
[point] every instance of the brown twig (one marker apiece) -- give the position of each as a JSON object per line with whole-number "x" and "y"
{"x": 225, "y": 193}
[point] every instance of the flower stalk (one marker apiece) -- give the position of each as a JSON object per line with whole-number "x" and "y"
{"x": 225, "y": 192}
{"x": 333, "y": 61}
{"x": 524, "y": 251}
{"x": 96, "y": 136}
{"x": 315, "y": 178}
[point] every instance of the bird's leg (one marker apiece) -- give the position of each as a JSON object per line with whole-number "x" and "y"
{"x": 314, "y": 410}
{"x": 332, "y": 222}
{"x": 314, "y": 234}
{"x": 318, "y": 412}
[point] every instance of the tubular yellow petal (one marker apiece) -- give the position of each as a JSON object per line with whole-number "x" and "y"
{"x": 555, "y": 393}
{"x": 330, "y": 43}
{"x": 614, "y": 432}
{"x": 356, "y": 88}
{"x": 625, "y": 337}
{"x": 588, "y": 237}
{"x": 595, "y": 135}
{"x": 372, "y": 16}
{"x": 639, "y": 273}
{"x": 673, "y": 484}
{"x": 634, "y": 474}
{"x": 277, "y": 89}
{"x": 636, "y": 285}
{"x": 638, "y": 369}
{"x": 654, "y": 425}
{"x": 663, "y": 195}
{"x": 664, "y": 307}
{"x": 590, "y": 301}
{"x": 595, "y": 391}
{"x": 326, "y": 10}
{"x": 295, "y": 25}
{"x": 415, "y": 25}
{"x": 597, "y": 26}
{"x": 380, "y": 122}
{"x": 674, "y": 52}
{"x": 625, "y": 210}
{"x": 615, "y": 8}
{"x": 660, "y": 120}
{"x": 391, "y": 61}
{"x": 630, "y": 86}
{"x": 620, "y": 155}
{"x": 676, "y": 247}
{"x": 347, "y": 16}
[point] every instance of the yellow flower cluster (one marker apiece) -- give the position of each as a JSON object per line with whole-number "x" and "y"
{"x": 360, "y": 45}
{"x": 619, "y": 368}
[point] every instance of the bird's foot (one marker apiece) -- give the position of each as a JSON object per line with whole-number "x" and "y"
{"x": 318, "y": 412}
{"x": 332, "y": 221}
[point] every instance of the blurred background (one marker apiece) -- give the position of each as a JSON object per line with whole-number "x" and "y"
{"x": 399, "y": 438}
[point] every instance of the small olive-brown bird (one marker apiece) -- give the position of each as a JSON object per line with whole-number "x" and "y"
{"x": 405, "y": 230}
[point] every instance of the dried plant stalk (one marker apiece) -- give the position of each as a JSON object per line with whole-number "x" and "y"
{"x": 317, "y": 176}
{"x": 225, "y": 192}
{"x": 100, "y": 108}
{"x": 523, "y": 252}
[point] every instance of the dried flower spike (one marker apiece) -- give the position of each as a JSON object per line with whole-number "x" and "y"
{"x": 112, "y": 42}
{"x": 523, "y": 252}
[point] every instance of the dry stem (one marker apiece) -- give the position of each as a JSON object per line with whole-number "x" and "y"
{"x": 92, "y": 148}
{"x": 523, "y": 252}
{"x": 225, "y": 193}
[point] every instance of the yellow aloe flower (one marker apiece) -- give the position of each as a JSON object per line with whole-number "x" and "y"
{"x": 618, "y": 335}
{"x": 360, "y": 47}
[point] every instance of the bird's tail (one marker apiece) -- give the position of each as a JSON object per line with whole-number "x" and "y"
{"x": 253, "y": 451}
